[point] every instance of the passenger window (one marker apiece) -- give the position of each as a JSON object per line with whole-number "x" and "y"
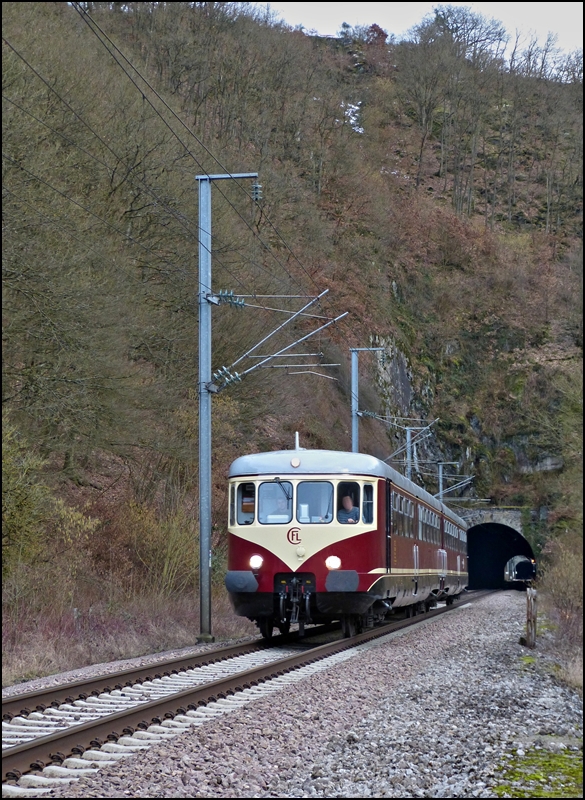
{"x": 368, "y": 509}
{"x": 408, "y": 521}
{"x": 397, "y": 526}
{"x": 314, "y": 502}
{"x": 246, "y": 503}
{"x": 348, "y": 502}
{"x": 275, "y": 502}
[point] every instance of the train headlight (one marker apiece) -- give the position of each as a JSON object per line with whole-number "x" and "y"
{"x": 256, "y": 562}
{"x": 332, "y": 562}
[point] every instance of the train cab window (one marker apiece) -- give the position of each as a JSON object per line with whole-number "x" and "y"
{"x": 368, "y": 507}
{"x": 345, "y": 513}
{"x": 232, "y": 516}
{"x": 315, "y": 502}
{"x": 246, "y": 503}
{"x": 275, "y": 502}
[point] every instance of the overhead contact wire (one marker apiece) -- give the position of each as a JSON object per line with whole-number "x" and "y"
{"x": 138, "y": 181}
{"x": 85, "y": 16}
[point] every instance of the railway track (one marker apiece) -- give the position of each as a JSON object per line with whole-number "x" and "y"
{"x": 54, "y": 736}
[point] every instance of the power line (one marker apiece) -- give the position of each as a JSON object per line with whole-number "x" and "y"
{"x": 106, "y": 223}
{"x": 84, "y": 208}
{"x": 52, "y": 221}
{"x": 207, "y": 150}
{"x": 233, "y": 364}
{"x": 88, "y": 19}
{"x": 167, "y": 208}
{"x": 103, "y": 163}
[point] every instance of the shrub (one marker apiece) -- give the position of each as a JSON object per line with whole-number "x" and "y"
{"x": 24, "y": 500}
{"x": 561, "y": 583}
{"x": 164, "y": 551}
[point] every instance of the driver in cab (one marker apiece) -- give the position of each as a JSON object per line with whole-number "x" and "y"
{"x": 348, "y": 513}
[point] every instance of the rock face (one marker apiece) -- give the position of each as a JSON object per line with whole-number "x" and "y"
{"x": 409, "y": 389}
{"x": 395, "y": 377}
{"x": 432, "y": 712}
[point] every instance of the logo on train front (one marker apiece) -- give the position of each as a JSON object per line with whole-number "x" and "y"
{"x": 293, "y": 535}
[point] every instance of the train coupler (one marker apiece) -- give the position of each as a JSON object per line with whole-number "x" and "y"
{"x": 295, "y": 598}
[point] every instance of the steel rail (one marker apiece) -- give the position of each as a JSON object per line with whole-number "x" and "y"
{"x": 39, "y": 699}
{"x": 38, "y": 753}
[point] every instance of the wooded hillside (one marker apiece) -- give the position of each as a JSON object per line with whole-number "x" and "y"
{"x": 433, "y": 186}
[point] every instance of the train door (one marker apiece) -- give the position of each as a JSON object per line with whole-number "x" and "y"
{"x": 442, "y": 554}
{"x": 415, "y": 567}
{"x": 387, "y": 525}
{"x": 442, "y": 567}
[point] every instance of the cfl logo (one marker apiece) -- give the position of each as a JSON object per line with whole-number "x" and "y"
{"x": 293, "y": 536}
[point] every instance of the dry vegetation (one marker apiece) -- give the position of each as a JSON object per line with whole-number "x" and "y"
{"x": 432, "y": 186}
{"x": 561, "y": 587}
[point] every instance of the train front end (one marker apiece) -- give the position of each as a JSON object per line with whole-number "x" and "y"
{"x": 290, "y": 557}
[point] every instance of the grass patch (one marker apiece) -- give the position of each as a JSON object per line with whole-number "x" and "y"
{"x": 544, "y": 626}
{"x": 542, "y": 773}
{"x": 527, "y": 660}
{"x": 40, "y": 645}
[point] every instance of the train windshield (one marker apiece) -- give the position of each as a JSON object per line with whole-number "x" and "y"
{"x": 315, "y": 501}
{"x": 275, "y": 502}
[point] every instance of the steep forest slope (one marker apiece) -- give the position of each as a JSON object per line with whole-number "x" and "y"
{"x": 432, "y": 186}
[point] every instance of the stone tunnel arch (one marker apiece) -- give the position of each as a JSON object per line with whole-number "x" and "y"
{"x": 490, "y": 545}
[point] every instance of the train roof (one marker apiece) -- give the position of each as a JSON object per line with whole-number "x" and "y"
{"x": 337, "y": 462}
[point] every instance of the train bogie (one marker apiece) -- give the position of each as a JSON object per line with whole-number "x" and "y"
{"x": 317, "y": 535}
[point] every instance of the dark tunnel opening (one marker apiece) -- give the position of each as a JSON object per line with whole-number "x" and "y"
{"x": 490, "y": 546}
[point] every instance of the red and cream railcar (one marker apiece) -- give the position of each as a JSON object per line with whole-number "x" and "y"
{"x": 294, "y": 557}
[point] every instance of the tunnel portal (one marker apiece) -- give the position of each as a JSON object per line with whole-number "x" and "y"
{"x": 490, "y": 546}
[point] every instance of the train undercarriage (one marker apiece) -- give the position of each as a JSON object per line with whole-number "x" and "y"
{"x": 295, "y": 602}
